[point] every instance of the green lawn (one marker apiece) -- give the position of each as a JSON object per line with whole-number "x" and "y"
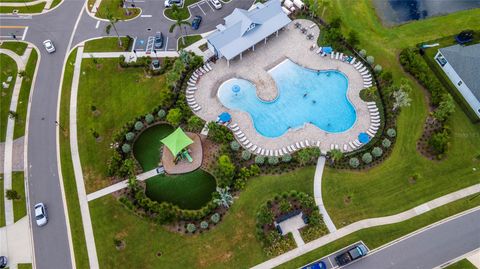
{"x": 183, "y": 12}
{"x": 385, "y": 190}
{"x": 15, "y": 46}
{"x": 69, "y": 184}
{"x": 189, "y": 40}
{"x": 22, "y": 105}
{"x": 232, "y": 244}
{"x": 24, "y": 266}
{"x": 378, "y": 236}
{"x": 119, "y": 96}
{"x": 8, "y": 68}
{"x": 116, "y": 10}
{"x": 462, "y": 264}
{"x": 38, "y": 8}
{"x": 147, "y": 146}
{"x": 2, "y": 202}
{"x": 55, "y": 3}
{"x": 188, "y": 191}
{"x": 106, "y": 44}
{"x": 19, "y": 206}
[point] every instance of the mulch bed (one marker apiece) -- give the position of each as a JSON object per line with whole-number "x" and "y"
{"x": 430, "y": 127}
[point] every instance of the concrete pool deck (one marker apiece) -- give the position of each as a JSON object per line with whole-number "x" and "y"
{"x": 290, "y": 44}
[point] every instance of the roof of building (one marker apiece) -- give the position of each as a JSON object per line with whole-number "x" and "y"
{"x": 466, "y": 62}
{"x": 243, "y": 29}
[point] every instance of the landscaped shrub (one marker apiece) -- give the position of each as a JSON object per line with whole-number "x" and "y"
{"x": 445, "y": 108}
{"x": 223, "y": 197}
{"x": 12, "y": 195}
{"x": 126, "y": 148}
{"x": 174, "y": 116}
{"x": 195, "y": 124}
{"x": 246, "y": 155}
{"x": 204, "y": 225}
{"x": 377, "y": 68}
{"x": 370, "y": 59}
{"x": 234, "y": 145}
{"x": 273, "y": 160}
{"x": 307, "y": 156}
{"x": 386, "y": 143}
{"x": 138, "y": 125}
{"x": 286, "y": 158}
{"x": 161, "y": 113}
{"x": 367, "y": 158}
{"x": 224, "y": 171}
{"x": 219, "y": 133}
{"x": 354, "y": 162}
{"x": 377, "y": 152}
{"x": 439, "y": 141}
{"x": 259, "y": 159}
{"x": 362, "y": 53}
{"x": 149, "y": 118}
{"x": 129, "y": 136}
{"x": 244, "y": 174}
{"x": 191, "y": 228}
{"x": 391, "y": 132}
{"x": 215, "y": 218}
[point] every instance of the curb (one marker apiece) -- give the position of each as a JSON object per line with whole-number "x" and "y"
{"x": 36, "y": 14}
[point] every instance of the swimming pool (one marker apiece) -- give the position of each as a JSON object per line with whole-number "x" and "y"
{"x": 305, "y": 96}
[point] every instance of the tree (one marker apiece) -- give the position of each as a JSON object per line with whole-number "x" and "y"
{"x": 138, "y": 125}
{"x": 370, "y": 92}
{"x": 363, "y": 53}
{"x": 215, "y": 218}
{"x": 439, "y": 141}
{"x": 313, "y": 7}
{"x": 219, "y": 133}
{"x": 132, "y": 184}
{"x": 204, "y": 225}
{"x": 179, "y": 22}
{"x": 370, "y": 59}
{"x": 234, "y": 145}
{"x": 129, "y": 136}
{"x": 377, "y": 152}
{"x": 246, "y": 155}
{"x": 273, "y": 160}
{"x": 335, "y": 155}
{"x": 191, "y": 228}
{"x": 367, "y": 157}
{"x": 400, "y": 99}
{"x": 305, "y": 156}
{"x": 391, "y": 132}
{"x": 224, "y": 171}
{"x": 352, "y": 38}
{"x": 386, "y": 143}
{"x": 161, "y": 113}
{"x": 445, "y": 108}
{"x": 354, "y": 162}
{"x": 174, "y": 116}
{"x": 172, "y": 77}
{"x": 12, "y": 195}
{"x": 224, "y": 198}
{"x": 112, "y": 21}
{"x": 126, "y": 148}
{"x": 149, "y": 118}
{"x": 378, "y": 68}
{"x": 185, "y": 57}
{"x": 259, "y": 159}
{"x": 286, "y": 158}
{"x": 195, "y": 124}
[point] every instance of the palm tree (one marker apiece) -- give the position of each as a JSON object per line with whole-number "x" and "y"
{"x": 112, "y": 21}
{"x": 178, "y": 22}
{"x": 335, "y": 155}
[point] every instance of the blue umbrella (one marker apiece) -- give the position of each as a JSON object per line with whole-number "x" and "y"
{"x": 363, "y": 138}
{"x": 224, "y": 117}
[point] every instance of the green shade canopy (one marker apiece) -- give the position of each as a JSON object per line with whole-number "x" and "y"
{"x": 177, "y": 141}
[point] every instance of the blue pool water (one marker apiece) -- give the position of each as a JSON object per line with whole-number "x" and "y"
{"x": 305, "y": 96}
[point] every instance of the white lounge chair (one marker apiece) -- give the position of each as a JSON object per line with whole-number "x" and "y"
{"x": 233, "y": 126}
{"x": 318, "y": 143}
{"x": 332, "y": 146}
{"x": 371, "y": 103}
{"x": 197, "y": 108}
{"x": 297, "y": 144}
{"x": 209, "y": 66}
{"x": 336, "y": 146}
{"x": 293, "y": 147}
{"x": 262, "y": 152}
{"x": 332, "y": 55}
{"x": 372, "y": 106}
{"x": 254, "y": 148}
{"x": 353, "y": 60}
{"x": 376, "y": 125}
{"x": 275, "y": 153}
{"x": 352, "y": 145}
{"x": 242, "y": 139}
{"x": 246, "y": 142}
{"x": 190, "y": 84}
{"x": 373, "y": 109}
{"x": 259, "y": 150}
{"x": 306, "y": 143}
{"x": 301, "y": 144}
{"x": 363, "y": 73}
{"x": 345, "y": 147}
{"x": 284, "y": 151}
{"x": 249, "y": 146}
{"x": 241, "y": 135}
{"x": 357, "y": 144}
{"x": 370, "y": 133}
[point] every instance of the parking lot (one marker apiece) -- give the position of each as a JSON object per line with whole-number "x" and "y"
{"x": 329, "y": 260}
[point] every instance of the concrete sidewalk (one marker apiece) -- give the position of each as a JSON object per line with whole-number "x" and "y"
{"x": 15, "y": 243}
{"x": 317, "y": 192}
{"x": 368, "y": 223}
{"x": 129, "y": 56}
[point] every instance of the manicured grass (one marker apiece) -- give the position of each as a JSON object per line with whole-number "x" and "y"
{"x": 114, "y": 7}
{"x": 378, "y": 236}
{"x": 189, "y": 40}
{"x": 106, "y": 44}
{"x": 231, "y": 244}
{"x": 15, "y": 46}
{"x": 8, "y": 68}
{"x": 38, "y": 8}
{"x": 55, "y": 3}
{"x": 2, "y": 202}
{"x": 147, "y": 146}
{"x": 385, "y": 190}
{"x": 183, "y": 12}
{"x": 24, "y": 266}
{"x": 188, "y": 191}
{"x": 20, "y": 205}
{"x": 119, "y": 96}
{"x": 69, "y": 184}
{"x": 462, "y": 264}
{"x": 17, "y": 1}
{"x": 22, "y": 105}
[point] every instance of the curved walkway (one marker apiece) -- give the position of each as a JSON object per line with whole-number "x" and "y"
{"x": 317, "y": 192}
{"x": 368, "y": 223}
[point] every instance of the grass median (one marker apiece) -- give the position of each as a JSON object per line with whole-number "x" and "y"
{"x": 2, "y": 202}
{"x": 15, "y": 46}
{"x": 9, "y": 69}
{"x": 38, "y": 8}
{"x": 189, "y": 40}
{"x": 106, "y": 44}
{"x": 20, "y": 205}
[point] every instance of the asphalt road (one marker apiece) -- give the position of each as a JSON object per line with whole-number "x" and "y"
{"x": 430, "y": 248}
{"x": 51, "y": 245}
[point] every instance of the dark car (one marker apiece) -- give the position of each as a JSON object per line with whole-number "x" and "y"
{"x": 3, "y": 262}
{"x": 196, "y": 22}
{"x": 155, "y": 65}
{"x": 316, "y": 265}
{"x": 350, "y": 255}
{"x": 158, "y": 44}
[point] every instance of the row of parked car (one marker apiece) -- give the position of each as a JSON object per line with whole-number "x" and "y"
{"x": 215, "y": 3}
{"x": 343, "y": 258}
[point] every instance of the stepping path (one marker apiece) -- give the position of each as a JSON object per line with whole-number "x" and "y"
{"x": 8, "y": 157}
{"x": 368, "y": 223}
{"x": 317, "y": 192}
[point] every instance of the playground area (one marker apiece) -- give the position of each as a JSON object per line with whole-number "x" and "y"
{"x": 182, "y": 152}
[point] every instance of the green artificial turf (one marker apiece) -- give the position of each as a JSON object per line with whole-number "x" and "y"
{"x": 20, "y": 205}
{"x": 8, "y": 68}
{"x": 106, "y": 44}
{"x": 189, "y": 191}
{"x": 231, "y": 244}
{"x": 147, "y": 147}
{"x": 119, "y": 96}
{"x": 15, "y": 46}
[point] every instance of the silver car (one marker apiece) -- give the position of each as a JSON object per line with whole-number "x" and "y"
{"x": 41, "y": 214}
{"x": 48, "y": 44}
{"x": 216, "y": 4}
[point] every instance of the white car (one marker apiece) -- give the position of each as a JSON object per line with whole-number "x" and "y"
{"x": 216, "y": 4}
{"x": 169, "y": 3}
{"x": 48, "y": 44}
{"x": 41, "y": 214}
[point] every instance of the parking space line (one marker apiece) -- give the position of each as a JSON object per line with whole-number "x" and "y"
{"x": 330, "y": 261}
{"x": 166, "y": 44}
{"x": 201, "y": 9}
{"x": 209, "y": 5}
